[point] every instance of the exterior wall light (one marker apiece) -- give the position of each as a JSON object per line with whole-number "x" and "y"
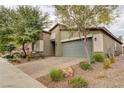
{"x": 95, "y": 38}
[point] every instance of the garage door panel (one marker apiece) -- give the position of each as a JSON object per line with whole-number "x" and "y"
{"x": 76, "y": 48}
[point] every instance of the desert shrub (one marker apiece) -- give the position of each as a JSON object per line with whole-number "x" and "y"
{"x": 13, "y": 57}
{"x": 10, "y": 47}
{"x": 56, "y": 74}
{"x": 8, "y": 56}
{"x": 17, "y": 55}
{"x": 107, "y": 63}
{"x": 112, "y": 59}
{"x": 98, "y": 57}
{"x": 78, "y": 82}
{"x": 15, "y": 60}
{"x": 100, "y": 75}
{"x": 85, "y": 66}
{"x": 2, "y": 48}
{"x": 7, "y": 47}
{"x": 92, "y": 60}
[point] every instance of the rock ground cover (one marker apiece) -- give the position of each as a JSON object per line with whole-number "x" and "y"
{"x": 114, "y": 76}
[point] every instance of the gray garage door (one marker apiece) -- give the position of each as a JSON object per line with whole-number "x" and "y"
{"x": 76, "y": 48}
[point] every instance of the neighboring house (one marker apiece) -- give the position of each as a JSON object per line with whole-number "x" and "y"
{"x": 59, "y": 42}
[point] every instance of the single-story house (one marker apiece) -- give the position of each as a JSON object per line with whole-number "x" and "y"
{"x": 58, "y": 42}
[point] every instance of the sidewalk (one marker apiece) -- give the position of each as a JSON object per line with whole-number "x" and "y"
{"x": 11, "y": 77}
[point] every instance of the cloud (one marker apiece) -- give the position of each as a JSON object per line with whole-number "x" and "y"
{"x": 50, "y": 10}
{"x": 117, "y": 28}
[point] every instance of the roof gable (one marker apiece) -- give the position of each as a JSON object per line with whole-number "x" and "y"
{"x": 105, "y": 30}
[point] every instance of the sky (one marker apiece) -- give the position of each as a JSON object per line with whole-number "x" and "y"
{"x": 117, "y": 28}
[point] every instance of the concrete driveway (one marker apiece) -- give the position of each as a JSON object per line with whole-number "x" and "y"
{"x": 11, "y": 77}
{"x": 42, "y": 66}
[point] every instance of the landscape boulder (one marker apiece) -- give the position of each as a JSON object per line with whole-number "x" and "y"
{"x": 68, "y": 72}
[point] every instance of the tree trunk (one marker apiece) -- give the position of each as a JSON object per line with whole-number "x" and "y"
{"x": 23, "y": 48}
{"x": 84, "y": 42}
{"x": 86, "y": 50}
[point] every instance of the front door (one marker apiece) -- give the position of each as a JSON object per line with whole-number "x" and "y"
{"x": 53, "y": 48}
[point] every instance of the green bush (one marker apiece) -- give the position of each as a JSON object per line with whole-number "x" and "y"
{"x": 78, "y": 82}
{"x": 2, "y": 48}
{"x": 92, "y": 60}
{"x": 56, "y": 74}
{"x": 85, "y": 66}
{"x": 7, "y": 47}
{"x": 8, "y": 56}
{"x": 107, "y": 63}
{"x": 98, "y": 57}
{"x": 112, "y": 59}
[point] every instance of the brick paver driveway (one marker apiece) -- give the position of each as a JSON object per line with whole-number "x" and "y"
{"x": 43, "y": 66}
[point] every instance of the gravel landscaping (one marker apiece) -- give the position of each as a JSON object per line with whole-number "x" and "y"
{"x": 114, "y": 76}
{"x": 24, "y": 60}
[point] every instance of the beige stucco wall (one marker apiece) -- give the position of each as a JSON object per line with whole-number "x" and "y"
{"x": 97, "y": 45}
{"x": 69, "y": 34}
{"x": 98, "y": 42}
{"x": 40, "y": 35}
{"x": 58, "y": 44}
{"x": 39, "y": 45}
{"x": 64, "y": 35}
{"x": 119, "y": 47}
{"x": 76, "y": 38}
{"x": 47, "y": 44}
{"x": 104, "y": 43}
{"x": 110, "y": 45}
